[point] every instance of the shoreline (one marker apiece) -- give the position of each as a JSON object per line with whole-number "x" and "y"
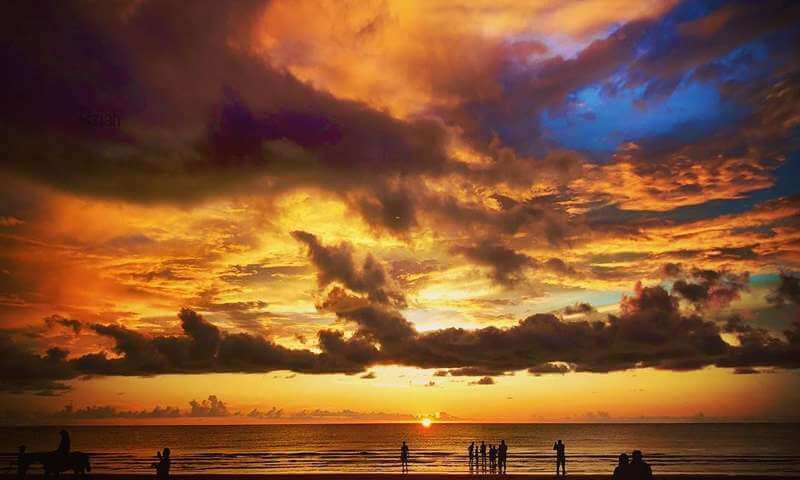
{"x": 416, "y": 476}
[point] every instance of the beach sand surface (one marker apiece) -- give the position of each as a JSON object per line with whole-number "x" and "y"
{"x": 410, "y": 476}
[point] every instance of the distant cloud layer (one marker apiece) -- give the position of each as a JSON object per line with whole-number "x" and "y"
{"x": 212, "y": 407}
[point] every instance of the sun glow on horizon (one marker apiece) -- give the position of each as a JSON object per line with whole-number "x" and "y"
{"x": 426, "y": 422}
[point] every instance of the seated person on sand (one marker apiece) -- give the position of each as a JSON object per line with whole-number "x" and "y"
{"x": 638, "y": 469}
{"x": 621, "y": 471}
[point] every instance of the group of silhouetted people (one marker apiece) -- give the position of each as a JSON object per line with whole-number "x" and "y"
{"x": 482, "y": 459}
{"x": 494, "y": 459}
{"x": 497, "y": 456}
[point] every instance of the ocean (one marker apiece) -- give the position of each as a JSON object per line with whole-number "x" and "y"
{"x": 728, "y": 448}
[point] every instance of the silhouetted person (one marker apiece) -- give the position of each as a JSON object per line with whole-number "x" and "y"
{"x": 638, "y": 469}
{"x": 471, "y": 452}
{"x": 483, "y": 455}
{"x": 163, "y": 464}
{"x": 404, "y": 458}
{"x": 492, "y": 458}
{"x": 64, "y": 444}
{"x": 561, "y": 457}
{"x": 22, "y": 463}
{"x": 621, "y": 471}
{"x": 502, "y": 456}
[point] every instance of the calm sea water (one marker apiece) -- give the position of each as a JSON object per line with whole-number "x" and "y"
{"x": 591, "y": 448}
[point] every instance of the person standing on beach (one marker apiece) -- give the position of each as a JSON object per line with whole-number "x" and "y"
{"x": 483, "y": 455}
{"x": 502, "y": 457}
{"x": 471, "y": 451}
{"x": 64, "y": 444}
{"x": 638, "y": 468}
{"x": 492, "y": 458}
{"x": 561, "y": 457}
{"x": 404, "y": 458}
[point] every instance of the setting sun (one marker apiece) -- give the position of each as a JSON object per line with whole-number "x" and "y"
{"x": 426, "y": 422}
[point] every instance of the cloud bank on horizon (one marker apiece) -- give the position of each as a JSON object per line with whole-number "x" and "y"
{"x": 477, "y": 188}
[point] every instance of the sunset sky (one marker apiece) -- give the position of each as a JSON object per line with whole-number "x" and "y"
{"x": 339, "y": 210}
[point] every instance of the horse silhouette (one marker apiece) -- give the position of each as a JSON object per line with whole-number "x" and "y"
{"x": 55, "y": 463}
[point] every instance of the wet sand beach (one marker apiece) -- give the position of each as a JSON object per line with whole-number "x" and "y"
{"x": 413, "y": 476}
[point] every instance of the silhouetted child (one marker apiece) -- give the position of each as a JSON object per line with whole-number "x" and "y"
{"x": 404, "y": 458}
{"x": 561, "y": 457}
{"x": 163, "y": 464}
{"x": 621, "y": 471}
{"x": 638, "y": 468}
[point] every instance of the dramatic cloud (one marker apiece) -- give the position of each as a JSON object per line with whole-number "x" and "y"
{"x": 131, "y": 130}
{"x": 707, "y": 288}
{"x": 649, "y": 332}
{"x": 54, "y": 320}
{"x": 506, "y": 264}
{"x": 788, "y": 290}
{"x": 336, "y": 264}
{"x": 213, "y": 407}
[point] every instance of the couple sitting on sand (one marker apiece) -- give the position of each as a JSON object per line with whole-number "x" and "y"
{"x": 636, "y": 469}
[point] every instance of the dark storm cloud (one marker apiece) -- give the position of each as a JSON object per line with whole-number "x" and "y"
{"x": 203, "y": 347}
{"x": 23, "y": 370}
{"x": 475, "y": 372}
{"x": 507, "y": 266}
{"x": 545, "y": 222}
{"x": 336, "y": 264}
{"x": 94, "y": 103}
{"x": 787, "y": 291}
{"x": 706, "y": 288}
{"x": 650, "y": 331}
{"x": 390, "y": 206}
{"x": 54, "y": 320}
{"x": 548, "y": 368}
